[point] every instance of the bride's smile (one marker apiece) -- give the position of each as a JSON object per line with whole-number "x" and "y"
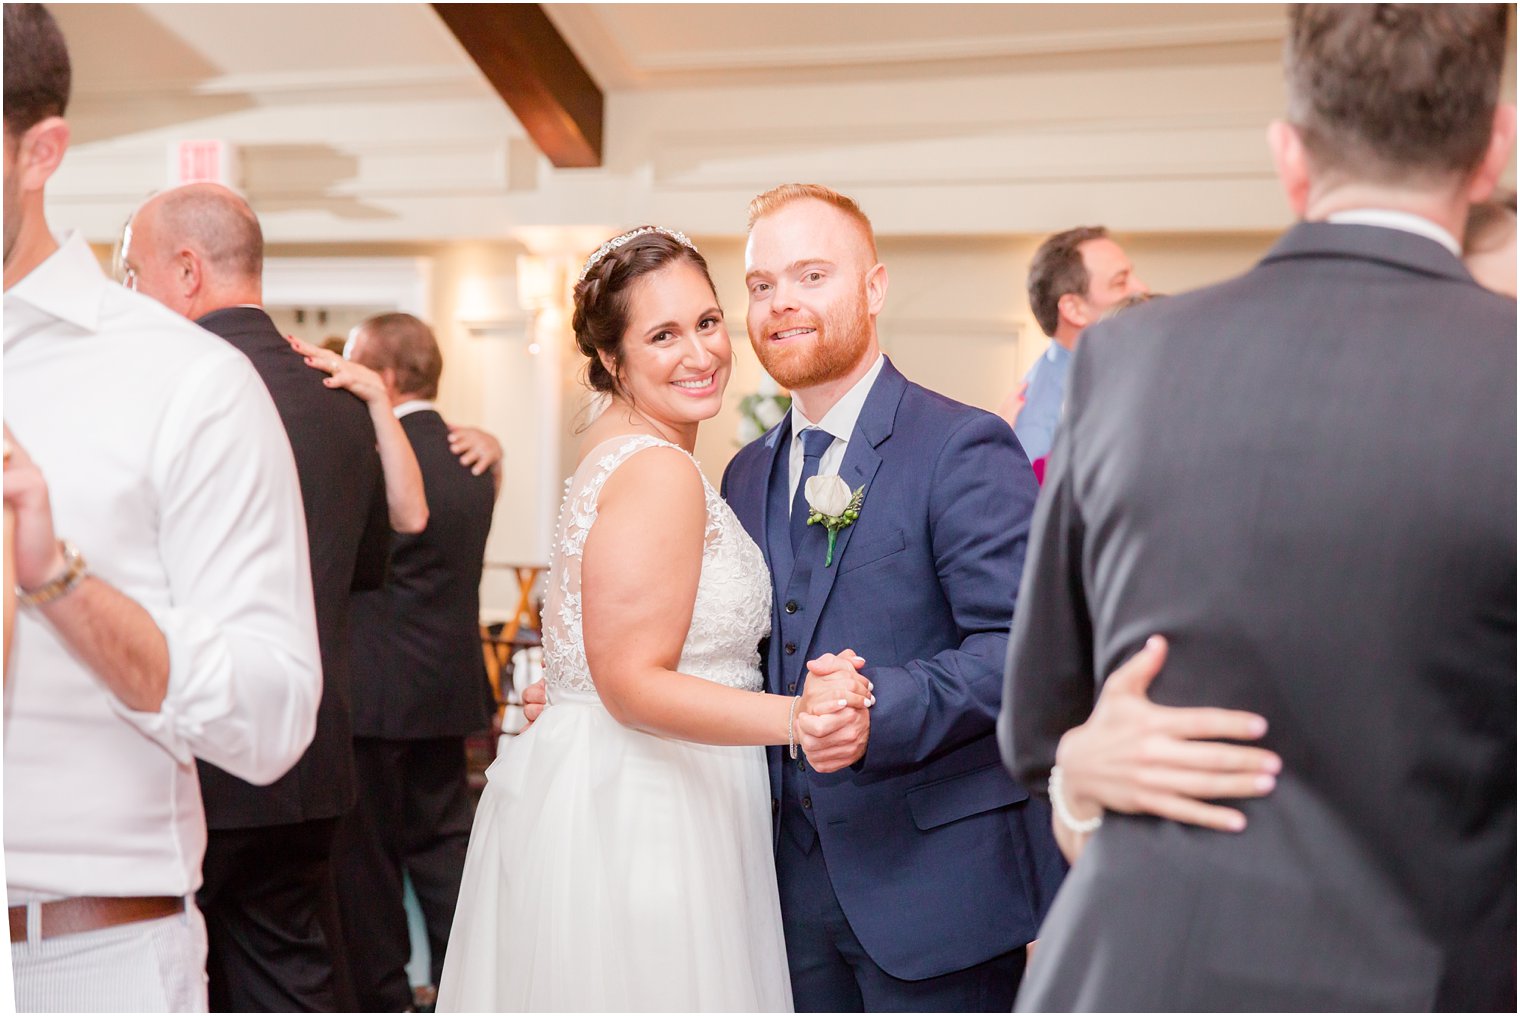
{"x": 675, "y": 358}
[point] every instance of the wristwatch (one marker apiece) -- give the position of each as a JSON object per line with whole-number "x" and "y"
{"x": 75, "y": 571}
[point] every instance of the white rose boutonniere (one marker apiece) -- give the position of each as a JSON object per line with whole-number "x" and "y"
{"x": 832, "y": 505}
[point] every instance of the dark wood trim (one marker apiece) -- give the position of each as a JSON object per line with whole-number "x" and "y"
{"x": 540, "y": 78}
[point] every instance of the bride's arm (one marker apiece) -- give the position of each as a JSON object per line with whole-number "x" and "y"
{"x": 639, "y": 574}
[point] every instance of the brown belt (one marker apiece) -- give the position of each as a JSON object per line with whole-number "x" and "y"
{"x": 92, "y": 913}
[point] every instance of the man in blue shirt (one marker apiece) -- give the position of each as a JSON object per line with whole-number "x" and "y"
{"x": 1075, "y": 276}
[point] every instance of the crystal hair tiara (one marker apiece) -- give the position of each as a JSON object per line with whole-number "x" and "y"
{"x": 618, "y": 241}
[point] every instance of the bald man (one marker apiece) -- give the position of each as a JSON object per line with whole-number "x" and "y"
{"x": 268, "y": 894}
{"x": 179, "y": 624}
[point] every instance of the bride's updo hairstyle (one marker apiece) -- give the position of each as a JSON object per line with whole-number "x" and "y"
{"x": 602, "y": 294}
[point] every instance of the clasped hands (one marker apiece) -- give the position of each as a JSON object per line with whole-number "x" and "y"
{"x": 833, "y": 720}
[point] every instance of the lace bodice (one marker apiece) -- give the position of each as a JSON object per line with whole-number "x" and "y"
{"x": 733, "y": 608}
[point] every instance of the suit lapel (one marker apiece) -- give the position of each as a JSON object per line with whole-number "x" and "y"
{"x": 861, "y": 462}
{"x": 764, "y": 486}
{"x": 774, "y": 516}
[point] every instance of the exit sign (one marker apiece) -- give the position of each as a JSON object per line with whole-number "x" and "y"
{"x": 202, "y": 161}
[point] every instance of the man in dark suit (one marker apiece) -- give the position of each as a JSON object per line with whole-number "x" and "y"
{"x": 1240, "y": 469}
{"x": 419, "y": 687}
{"x": 268, "y": 898}
{"x": 912, "y": 870}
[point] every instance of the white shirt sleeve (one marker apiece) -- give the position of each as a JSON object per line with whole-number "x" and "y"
{"x": 245, "y": 675}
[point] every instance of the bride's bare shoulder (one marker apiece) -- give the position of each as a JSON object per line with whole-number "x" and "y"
{"x": 655, "y": 478}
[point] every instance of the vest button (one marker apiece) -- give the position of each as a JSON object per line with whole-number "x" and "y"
{"x": 791, "y": 689}
{"x": 775, "y": 805}
{"x": 791, "y": 647}
{"x": 791, "y": 606}
{"x": 807, "y": 802}
{"x": 801, "y": 766}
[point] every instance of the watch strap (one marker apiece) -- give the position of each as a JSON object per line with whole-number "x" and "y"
{"x": 75, "y": 571}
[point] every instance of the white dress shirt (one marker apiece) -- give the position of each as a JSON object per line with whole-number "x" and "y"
{"x": 1389, "y": 218}
{"x": 410, "y": 406}
{"x": 839, "y": 421}
{"x": 167, "y": 465}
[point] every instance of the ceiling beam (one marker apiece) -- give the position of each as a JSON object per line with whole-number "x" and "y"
{"x": 534, "y": 70}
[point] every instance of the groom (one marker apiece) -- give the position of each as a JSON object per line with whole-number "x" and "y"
{"x": 913, "y": 870}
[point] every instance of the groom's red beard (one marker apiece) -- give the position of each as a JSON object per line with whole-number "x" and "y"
{"x": 839, "y": 340}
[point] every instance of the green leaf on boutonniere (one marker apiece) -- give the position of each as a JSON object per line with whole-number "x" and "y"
{"x": 834, "y": 523}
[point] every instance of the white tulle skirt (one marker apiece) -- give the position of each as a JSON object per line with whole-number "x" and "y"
{"x": 611, "y": 870}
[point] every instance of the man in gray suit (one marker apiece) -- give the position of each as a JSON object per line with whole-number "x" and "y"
{"x": 1239, "y": 469}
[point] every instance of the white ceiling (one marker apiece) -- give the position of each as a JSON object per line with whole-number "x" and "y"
{"x": 368, "y": 122}
{"x": 191, "y": 43}
{"x": 661, "y": 45}
{"x": 212, "y": 50}
{"x": 141, "y": 66}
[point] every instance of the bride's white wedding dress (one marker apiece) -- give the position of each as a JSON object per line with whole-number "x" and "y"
{"x": 611, "y": 869}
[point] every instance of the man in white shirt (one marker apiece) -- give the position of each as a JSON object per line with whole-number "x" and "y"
{"x": 189, "y": 632}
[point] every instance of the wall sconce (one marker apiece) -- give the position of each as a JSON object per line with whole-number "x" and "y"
{"x": 540, "y": 282}
{"x": 490, "y": 327}
{"x": 542, "y": 286}
{"x": 539, "y": 285}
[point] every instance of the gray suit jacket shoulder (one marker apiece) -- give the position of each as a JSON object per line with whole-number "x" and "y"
{"x": 1305, "y": 479}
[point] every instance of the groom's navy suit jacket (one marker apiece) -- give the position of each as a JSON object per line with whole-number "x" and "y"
{"x": 939, "y": 859}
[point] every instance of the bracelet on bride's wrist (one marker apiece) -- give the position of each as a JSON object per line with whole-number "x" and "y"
{"x": 791, "y": 726}
{"x": 1080, "y": 826}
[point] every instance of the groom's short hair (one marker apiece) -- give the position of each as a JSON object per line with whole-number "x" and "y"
{"x": 1395, "y": 92}
{"x": 779, "y": 197}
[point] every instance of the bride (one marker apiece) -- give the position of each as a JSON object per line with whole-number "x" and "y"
{"x": 621, "y": 857}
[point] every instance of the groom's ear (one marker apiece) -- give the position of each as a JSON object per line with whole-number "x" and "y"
{"x": 876, "y": 289}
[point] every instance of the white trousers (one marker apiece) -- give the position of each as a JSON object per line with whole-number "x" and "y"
{"x": 149, "y": 966}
